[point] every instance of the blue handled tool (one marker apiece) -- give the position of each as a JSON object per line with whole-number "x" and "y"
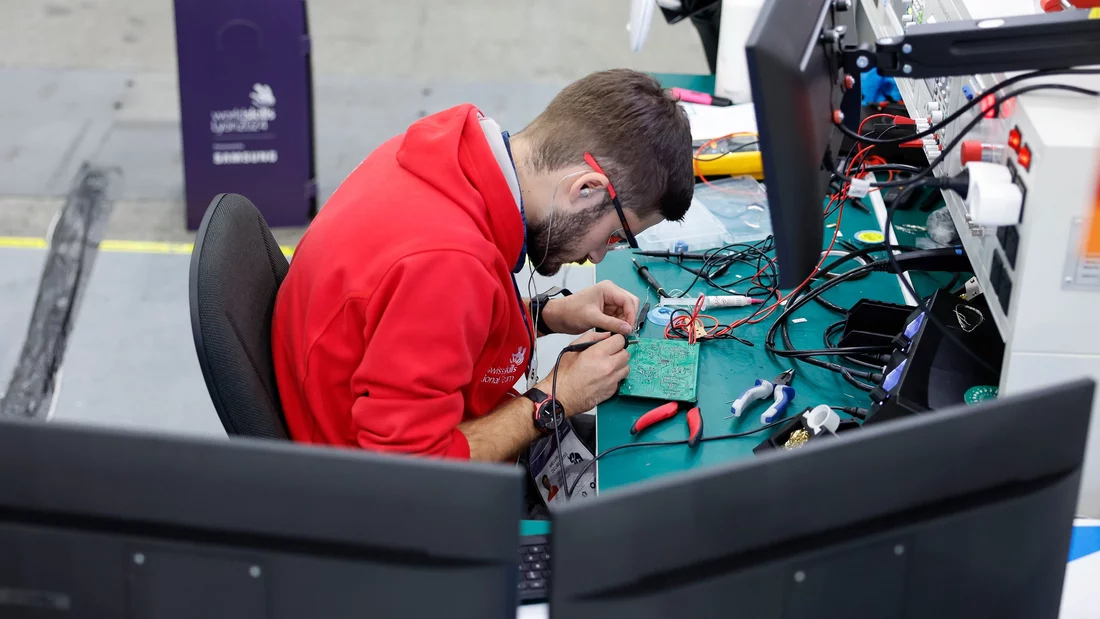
{"x": 779, "y": 389}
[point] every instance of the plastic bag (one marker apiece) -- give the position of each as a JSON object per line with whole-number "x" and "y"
{"x": 741, "y": 204}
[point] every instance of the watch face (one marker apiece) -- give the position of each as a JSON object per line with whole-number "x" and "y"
{"x": 544, "y": 415}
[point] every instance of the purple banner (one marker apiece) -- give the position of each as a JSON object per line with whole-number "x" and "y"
{"x": 246, "y": 104}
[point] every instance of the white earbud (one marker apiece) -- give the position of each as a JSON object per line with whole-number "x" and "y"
{"x": 586, "y": 192}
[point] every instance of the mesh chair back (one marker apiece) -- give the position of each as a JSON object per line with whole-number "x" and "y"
{"x": 236, "y": 269}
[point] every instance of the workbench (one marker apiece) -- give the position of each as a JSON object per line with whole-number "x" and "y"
{"x": 728, "y": 367}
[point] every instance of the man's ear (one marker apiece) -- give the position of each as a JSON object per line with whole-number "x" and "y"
{"x": 585, "y": 189}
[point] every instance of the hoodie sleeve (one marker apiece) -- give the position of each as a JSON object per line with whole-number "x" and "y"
{"x": 433, "y": 312}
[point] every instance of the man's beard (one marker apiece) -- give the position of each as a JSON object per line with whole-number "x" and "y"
{"x": 555, "y": 241}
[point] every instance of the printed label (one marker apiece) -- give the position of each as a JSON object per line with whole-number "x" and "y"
{"x": 242, "y": 123}
{"x": 545, "y": 468}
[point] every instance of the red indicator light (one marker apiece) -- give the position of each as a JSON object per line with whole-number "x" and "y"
{"x": 1024, "y": 157}
{"x": 989, "y": 106}
{"x": 1015, "y": 139}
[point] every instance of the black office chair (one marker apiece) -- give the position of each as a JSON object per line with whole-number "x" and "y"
{"x": 236, "y": 269}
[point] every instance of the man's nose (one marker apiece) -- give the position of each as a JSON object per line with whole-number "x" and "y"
{"x": 595, "y": 257}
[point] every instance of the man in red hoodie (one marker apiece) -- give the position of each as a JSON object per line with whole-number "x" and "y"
{"x": 400, "y": 326}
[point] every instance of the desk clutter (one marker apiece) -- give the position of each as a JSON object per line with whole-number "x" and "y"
{"x": 860, "y": 360}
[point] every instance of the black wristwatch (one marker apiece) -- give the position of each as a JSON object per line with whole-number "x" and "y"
{"x": 539, "y": 302}
{"x": 546, "y": 409}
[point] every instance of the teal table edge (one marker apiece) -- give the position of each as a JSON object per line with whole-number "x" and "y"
{"x": 701, "y": 83}
{"x": 534, "y": 527}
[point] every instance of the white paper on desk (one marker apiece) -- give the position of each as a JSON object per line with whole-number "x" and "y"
{"x": 712, "y": 121}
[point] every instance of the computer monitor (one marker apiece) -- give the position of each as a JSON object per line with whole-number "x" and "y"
{"x": 961, "y": 513}
{"x": 97, "y": 523}
{"x": 794, "y": 93}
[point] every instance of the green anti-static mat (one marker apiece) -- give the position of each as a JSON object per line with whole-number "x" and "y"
{"x": 727, "y": 367}
{"x": 664, "y": 370}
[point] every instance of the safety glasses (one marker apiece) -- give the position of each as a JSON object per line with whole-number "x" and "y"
{"x": 591, "y": 161}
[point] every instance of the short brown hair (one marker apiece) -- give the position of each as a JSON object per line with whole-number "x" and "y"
{"x": 635, "y": 130}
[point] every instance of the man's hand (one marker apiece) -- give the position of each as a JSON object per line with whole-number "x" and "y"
{"x": 603, "y": 306}
{"x": 591, "y": 376}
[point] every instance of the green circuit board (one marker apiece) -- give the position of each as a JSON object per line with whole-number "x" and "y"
{"x": 664, "y": 370}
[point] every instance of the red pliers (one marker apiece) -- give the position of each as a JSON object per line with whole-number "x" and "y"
{"x": 666, "y": 411}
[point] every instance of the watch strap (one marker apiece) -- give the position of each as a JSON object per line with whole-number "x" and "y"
{"x": 538, "y": 396}
{"x": 539, "y": 302}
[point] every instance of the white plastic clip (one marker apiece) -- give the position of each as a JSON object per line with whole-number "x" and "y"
{"x": 822, "y": 418}
{"x": 859, "y": 187}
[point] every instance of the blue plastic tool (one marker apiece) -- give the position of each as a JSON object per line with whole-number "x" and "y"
{"x": 779, "y": 389}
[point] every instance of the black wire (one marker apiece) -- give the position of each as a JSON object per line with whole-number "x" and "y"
{"x": 767, "y": 273}
{"x": 831, "y": 330}
{"x": 830, "y": 306}
{"x": 849, "y": 374}
{"x": 954, "y": 282}
{"x": 720, "y": 437}
{"x": 801, "y": 299}
{"x": 855, "y": 383}
{"x": 966, "y": 130}
{"x": 891, "y": 167}
{"x": 851, "y": 151}
{"x": 716, "y": 157}
{"x": 557, "y": 436}
{"x": 856, "y": 144}
{"x": 825, "y": 352}
{"x": 962, "y": 110}
{"x": 715, "y": 260}
{"x": 860, "y": 255}
{"x": 920, "y": 302}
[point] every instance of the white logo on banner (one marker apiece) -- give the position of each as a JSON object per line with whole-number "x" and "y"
{"x": 245, "y": 120}
{"x": 262, "y": 96}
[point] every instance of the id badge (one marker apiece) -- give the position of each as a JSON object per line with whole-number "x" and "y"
{"x": 545, "y": 467}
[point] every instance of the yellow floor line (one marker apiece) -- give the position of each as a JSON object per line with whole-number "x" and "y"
{"x": 145, "y": 247}
{"x": 117, "y": 246}
{"x": 23, "y": 242}
{"x": 130, "y": 247}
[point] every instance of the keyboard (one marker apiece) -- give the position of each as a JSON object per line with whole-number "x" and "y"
{"x": 534, "y": 568}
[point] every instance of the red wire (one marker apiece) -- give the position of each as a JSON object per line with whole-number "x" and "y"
{"x": 687, "y": 323}
{"x": 864, "y": 121}
{"x": 779, "y": 300}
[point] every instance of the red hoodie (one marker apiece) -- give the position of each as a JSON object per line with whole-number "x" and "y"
{"x": 399, "y": 317}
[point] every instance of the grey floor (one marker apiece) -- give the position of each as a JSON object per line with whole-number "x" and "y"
{"x": 94, "y": 80}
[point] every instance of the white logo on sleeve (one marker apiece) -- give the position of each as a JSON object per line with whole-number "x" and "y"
{"x": 503, "y": 374}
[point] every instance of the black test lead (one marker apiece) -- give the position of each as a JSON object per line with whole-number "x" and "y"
{"x": 643, "y": 271}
